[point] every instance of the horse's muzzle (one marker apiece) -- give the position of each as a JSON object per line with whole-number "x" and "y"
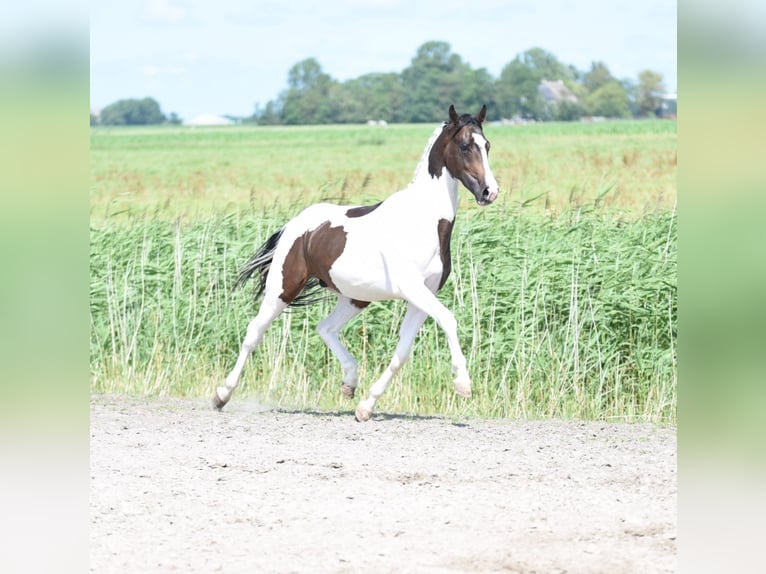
{"x": 487, "y": 196}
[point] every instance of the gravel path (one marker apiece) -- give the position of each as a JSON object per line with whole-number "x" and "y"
{"x": 176, "y": 486}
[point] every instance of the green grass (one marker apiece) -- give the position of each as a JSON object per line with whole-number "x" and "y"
{"x": 565, "y": 296}
{"x": 190, "y": 173}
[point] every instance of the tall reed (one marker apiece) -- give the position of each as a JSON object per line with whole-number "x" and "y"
{"x": 566, "y": 316}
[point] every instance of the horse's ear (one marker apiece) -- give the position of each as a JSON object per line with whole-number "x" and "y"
{"x": 453, "y": 115}
{"x": 482, "y": 114}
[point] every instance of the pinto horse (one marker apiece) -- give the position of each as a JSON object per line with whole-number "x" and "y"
{"x": 396, "y": 249}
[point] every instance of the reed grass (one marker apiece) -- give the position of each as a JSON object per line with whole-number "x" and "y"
{"x": 571, "y": 314}
{"x": 564, "y": 289}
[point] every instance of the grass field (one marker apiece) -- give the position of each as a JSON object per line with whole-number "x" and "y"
{"x": 195, "y": 172}
{"x": 564, "y": 290}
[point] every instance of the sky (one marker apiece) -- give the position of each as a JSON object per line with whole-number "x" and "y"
{"x": 201, "y": 57}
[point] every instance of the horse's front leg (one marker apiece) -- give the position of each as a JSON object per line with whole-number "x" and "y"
{"x": 419, "y": 295}
{"x": 413, "y": 320}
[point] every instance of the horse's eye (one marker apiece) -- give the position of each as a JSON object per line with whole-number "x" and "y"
{"x": 464, "y": 147}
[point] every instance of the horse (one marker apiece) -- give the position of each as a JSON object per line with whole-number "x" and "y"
{"x": 396, "y": 249}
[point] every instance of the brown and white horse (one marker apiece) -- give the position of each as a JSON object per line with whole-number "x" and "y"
{"x": 397, "y": 249}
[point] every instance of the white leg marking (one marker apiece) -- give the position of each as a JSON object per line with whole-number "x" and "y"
{"x": 329, "y": 328}
{"x": 270, "y": 309}
{"x": 413, "y": 320}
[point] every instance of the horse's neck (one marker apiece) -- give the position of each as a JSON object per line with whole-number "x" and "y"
{"x": 443, "y": 189}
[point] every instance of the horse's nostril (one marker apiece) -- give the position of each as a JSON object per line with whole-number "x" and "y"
{"x": 485, "y": 193}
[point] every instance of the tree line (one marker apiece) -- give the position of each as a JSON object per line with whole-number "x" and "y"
{"x": 133, "y": 112}
{"x": 436, "y": 78}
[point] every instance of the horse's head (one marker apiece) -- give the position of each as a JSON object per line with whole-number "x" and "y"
{"x": 464, "y": 151}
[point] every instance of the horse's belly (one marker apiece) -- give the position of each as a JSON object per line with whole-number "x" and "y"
{"x": 376, "y": 277}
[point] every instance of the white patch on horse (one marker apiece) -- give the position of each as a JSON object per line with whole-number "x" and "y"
{"x": 492, "y": 184}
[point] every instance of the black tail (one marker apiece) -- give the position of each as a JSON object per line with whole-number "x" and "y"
{"x": 258, "y": 267}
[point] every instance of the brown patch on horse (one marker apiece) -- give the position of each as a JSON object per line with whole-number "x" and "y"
{"x": 362, "y": 210}
{"x": 312, "y": 255}
{"x": 436, "y": 161}
{"x": 444, "y": 230}
{"x": 442, "y": 155}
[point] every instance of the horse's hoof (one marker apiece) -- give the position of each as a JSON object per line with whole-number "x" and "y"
{"x": 218, "y": 402}
{"x": 463, "y": 389}
{"x": 347, "y": 391}
{"x": 362, "y": 414}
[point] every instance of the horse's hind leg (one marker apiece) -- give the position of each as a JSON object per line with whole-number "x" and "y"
{"x": 328, "y": 329}
{"x": 413, "y": 320}
{"x": 269, "y": 310}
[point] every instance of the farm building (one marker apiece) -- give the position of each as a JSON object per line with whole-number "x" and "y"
{"x": 554, "y": 92}
{"x": 208, "y": 120}
{"x": 668, "y": 106}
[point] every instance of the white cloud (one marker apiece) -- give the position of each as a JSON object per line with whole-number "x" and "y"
{"x": 164, "y": 11}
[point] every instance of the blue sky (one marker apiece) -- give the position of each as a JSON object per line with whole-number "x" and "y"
{"x": 222, "y": 57}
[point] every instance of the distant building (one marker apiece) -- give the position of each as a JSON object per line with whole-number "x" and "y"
{"x": 554, "y": 92}
{"x": 208, "y": 120}
{"x": 668, "y": 106}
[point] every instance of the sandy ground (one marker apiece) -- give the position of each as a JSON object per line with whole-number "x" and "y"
{"x": 176, "y": 486}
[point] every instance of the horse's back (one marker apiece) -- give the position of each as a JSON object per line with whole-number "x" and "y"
{"x": 316, "y": 214}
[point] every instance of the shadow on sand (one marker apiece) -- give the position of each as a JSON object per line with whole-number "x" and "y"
{"x": 376, "y": 416}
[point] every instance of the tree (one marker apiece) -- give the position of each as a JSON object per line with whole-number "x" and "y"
{"x": 649, "y": 92}
{"x": 132, "y": 112}
{"x": 477, "y": 88}
{"x": 306, "y": 75}
{"x": 517, "y": 88}
{"x": 567, "y": 111}
{"x": 308, "y": 99}
{"x": 370, "y": 97}
{"x": 517, "y": 91}
{"x": 610, "y": 100}
{"x": 437, "y": 77}
{"x": 598, "y": 76}
{"x": 631, "y": 89}
{"x": 433, "y": 81}
{"x": 268, "y": 116}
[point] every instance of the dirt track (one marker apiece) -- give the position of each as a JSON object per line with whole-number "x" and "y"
{"x": 176, "y": 486}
